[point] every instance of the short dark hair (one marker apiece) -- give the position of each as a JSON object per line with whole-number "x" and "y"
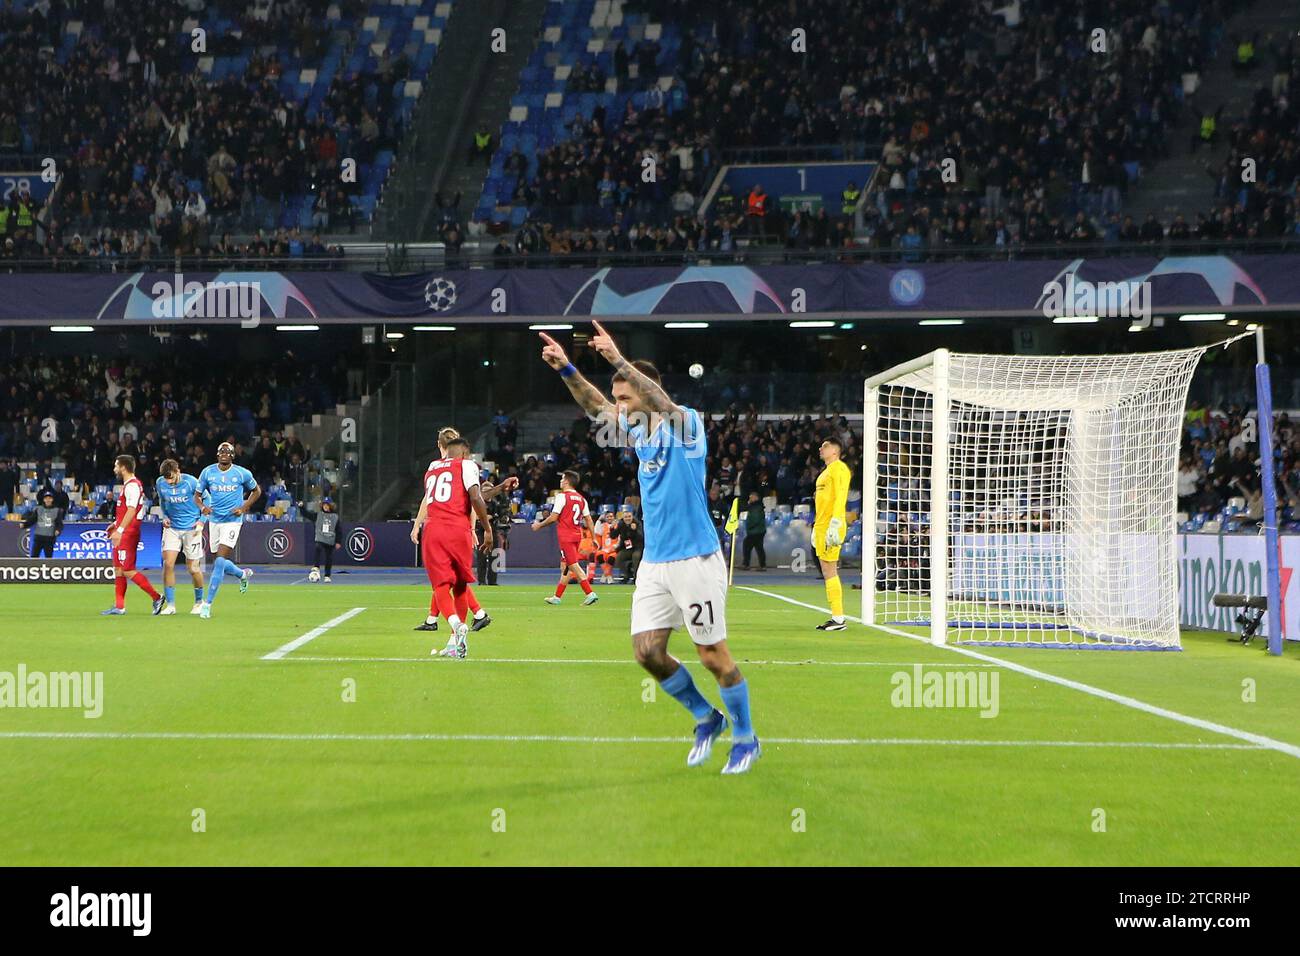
{"x": 645, "y": 368}
{"x": 126, "y": 461}
{"x": 456, "y": 442}
{"x": 833, "y": 440}
{"x": 572, "y": 477}
{"x": 169, "y": 468}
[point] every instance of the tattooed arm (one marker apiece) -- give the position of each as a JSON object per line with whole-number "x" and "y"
{"x": 595, "y": 404}
{"x": 651, "y": 392}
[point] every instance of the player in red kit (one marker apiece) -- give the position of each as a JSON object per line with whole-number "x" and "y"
{"x": 571, "y": 517}
{"x": 124, "y": 533}
{"x": 480, "y": 618}
{"x": 451, "y": 493}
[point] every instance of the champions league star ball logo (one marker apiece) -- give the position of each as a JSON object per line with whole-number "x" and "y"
{"x": 440, "y": 294}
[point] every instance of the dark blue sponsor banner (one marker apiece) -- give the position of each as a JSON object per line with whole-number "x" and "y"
{"x": 865, "y": 290}
{"x": 83, "y": 542}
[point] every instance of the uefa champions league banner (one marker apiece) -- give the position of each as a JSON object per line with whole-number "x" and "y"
{"x": 1017, "y": 288}
{"x": 83, "y": 542}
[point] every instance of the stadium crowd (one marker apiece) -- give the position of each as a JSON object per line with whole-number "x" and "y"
{"x": 1046, "y": 135}
{"x": 154, "y": 157}
{"x": 81, "y": 412}
{"x": 746, "y": 453}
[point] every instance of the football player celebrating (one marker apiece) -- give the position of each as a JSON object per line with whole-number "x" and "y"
{"x": 682, "y": 581}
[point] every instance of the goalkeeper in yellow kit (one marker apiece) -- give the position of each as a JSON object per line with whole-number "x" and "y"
{"x": 829, "y": 527}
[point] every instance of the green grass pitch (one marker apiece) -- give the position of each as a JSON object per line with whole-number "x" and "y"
{"x": 546, "y": 747}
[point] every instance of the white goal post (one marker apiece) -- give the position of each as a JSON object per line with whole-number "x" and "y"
{"x": 1024, "y": 499}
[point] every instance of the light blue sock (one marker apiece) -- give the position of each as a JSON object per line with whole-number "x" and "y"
{"x": 169, "y": 593}
{"x": 232, "y": 568}
{"x": 198, "y": 595}
{"x": 736, "y": 700}
{"x": 218, "y": 572}
{"x": 682, "y": 687}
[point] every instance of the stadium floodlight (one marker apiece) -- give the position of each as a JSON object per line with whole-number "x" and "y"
{"x": 297, "y": 328}
{"x": 1026, "y": 499}
{"x": 811, "y": 324}
{"x": 942, "y": 322}
{"x": 1203, "y": 317}
{"x": 557, "y": 327}
{"x": 1076, "y": 320}
{"x": 686, "y": 325}
{"x": 433, "y": 328}
{"x": 394, "y": 335}
{"x": 72, "y": 328}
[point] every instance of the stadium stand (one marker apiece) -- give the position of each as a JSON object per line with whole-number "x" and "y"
{"x": 160, "y": 151}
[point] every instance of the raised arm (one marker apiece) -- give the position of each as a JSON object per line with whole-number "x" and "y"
{"x": 652, "y": 394}
{"x": 506, "y": 484}
{"x": 593, "y": 402}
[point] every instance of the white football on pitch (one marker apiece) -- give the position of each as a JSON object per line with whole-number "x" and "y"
{"x": 313, "y": 576}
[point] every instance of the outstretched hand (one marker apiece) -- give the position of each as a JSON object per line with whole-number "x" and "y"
{"x": 552, "y": 353}
{"x": 603, "y": 343}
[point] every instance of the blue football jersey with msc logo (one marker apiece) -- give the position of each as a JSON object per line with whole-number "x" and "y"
{"x": 671, "y": 473}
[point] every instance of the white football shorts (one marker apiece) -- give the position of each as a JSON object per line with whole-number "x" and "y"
{"x": 226, "y": 533}
{"x": 690, "y": 593}
{"x": 191, "y": 542}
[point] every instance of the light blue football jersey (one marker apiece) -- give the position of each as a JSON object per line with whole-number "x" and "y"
{"x": 227, "y": 489}
{"x": 671, "y": 473}
{"x": 178, "y": 501}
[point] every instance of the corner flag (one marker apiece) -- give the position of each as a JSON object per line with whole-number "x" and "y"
{"x": 733, "y": 522}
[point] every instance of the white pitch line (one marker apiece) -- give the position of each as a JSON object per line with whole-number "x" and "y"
{"x": 315, "y": 632}
{"x": 568, "y": 739}
{"x": 599, "y": 660}
{"x": 1259, "y": 740}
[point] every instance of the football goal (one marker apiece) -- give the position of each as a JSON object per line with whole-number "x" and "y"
{"x": 1027, "y": 500}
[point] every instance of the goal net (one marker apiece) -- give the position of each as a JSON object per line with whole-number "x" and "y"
{"x": 1026, "y": 500}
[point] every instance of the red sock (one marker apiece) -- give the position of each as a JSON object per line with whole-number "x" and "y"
{"x": 559, "y": 588}
{"x": 143, "y": 584}
{"x": 442, "y": 597}
{"x": 585, "y": 585}
{"x": 120, "y": 585}
{"x": 473, "y": 601}
{"x": 462, "y": 604}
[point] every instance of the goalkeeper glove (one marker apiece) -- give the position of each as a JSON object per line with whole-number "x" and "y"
{"x": 835, "y": 533}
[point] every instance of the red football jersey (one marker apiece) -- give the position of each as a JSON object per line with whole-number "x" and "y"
{"x": 572, "y": 509}
{"x": 446, "y": 485}
{"x": 127, "y": 502}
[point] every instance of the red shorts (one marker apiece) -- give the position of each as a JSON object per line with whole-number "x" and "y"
{"x": 569, "y": 551}
{"x": 448, "y": 555}
{"x": 125, "y": 553}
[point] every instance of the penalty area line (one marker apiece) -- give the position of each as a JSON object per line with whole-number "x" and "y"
{"x": 1259, "y": 740}
{"x": 571, "y": 739}
{"x": 280, "y": 652}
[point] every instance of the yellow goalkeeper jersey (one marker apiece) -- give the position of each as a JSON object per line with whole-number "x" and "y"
{"x": 832, "y": 494}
